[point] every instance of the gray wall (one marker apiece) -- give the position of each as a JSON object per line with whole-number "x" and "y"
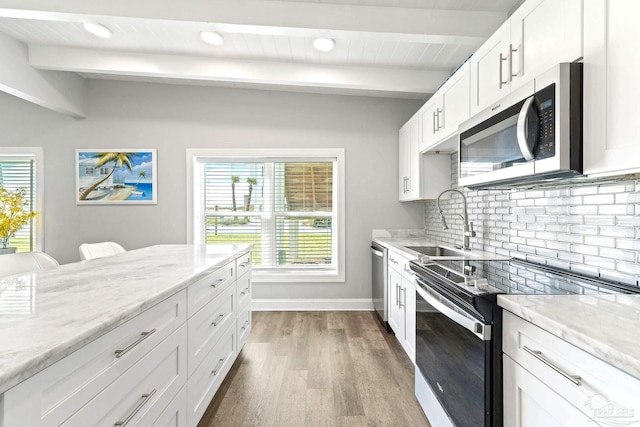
{"x": 172, "y": 118}
{"x": 591, "y": 228}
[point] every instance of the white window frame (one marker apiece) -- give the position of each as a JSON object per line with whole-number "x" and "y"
{"x": 193, "y": 228}
{"x": 37, "y": 153}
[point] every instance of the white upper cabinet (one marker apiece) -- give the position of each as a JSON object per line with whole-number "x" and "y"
{"x": 540, "y": 34}
{"x": 409, "y": 160}
{"x": 611, "y": 87}
{"x": 444, "y": 112}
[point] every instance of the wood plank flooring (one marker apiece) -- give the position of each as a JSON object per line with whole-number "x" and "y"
{"x": 317, "y": 369}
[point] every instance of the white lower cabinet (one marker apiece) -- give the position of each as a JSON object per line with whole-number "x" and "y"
{"x": 160, "y": 368}
{"x": 402, "y": 302}
{"x": 549, "y": 382}
{"x": 141, "y": 395}
{"x": 530, "y": 402}
{"x": 206, "y": 379}
{"x": 175, "y": 414}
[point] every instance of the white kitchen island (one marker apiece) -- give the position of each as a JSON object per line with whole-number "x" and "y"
{"x": 124, "y": 340}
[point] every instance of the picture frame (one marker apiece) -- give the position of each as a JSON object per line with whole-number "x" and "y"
{"x": 126, "y": 176}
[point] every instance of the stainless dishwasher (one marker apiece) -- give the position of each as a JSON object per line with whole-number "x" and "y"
{"x": 379, "y": 282}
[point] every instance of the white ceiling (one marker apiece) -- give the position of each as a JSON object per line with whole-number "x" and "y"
{"x": 399, "y": 48}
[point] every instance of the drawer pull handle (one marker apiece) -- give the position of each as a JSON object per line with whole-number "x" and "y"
{"x": 218, "y": 366}
{"x": 244, "y": 264}
{"x": 143, "y": 336}
{"x": 245, "y": 291}
{"x": 145, "y": 399}
{"x": 217, "y": 283}
{"x": 215, "y": 322}
{"x": 538, "y": 355}
{"x": 245, "y": 326}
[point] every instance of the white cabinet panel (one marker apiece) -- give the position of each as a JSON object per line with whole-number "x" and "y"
{"x": 207, "y": 288}
{"x": 402, "y": 301}
{"x": 611, "y": 85}
{"x": 143, "y": 392}
{"x": 175, "y": 414}
{"x": 585, "y": 382}
{"x": 53, "y": 395}
{"x": 528, "y": 402}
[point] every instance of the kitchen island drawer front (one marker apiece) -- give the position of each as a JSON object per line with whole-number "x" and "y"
{"x": 54, "y": 394}
{"x": 244, "y": 327}
{"x": 174, "y": 415}
{"x": 140, "y": 395}
{"x": 243, "y": 264}
{"x": 586, "y": 382}
{"x": 243, "y": 296}
{"x": 208, "y": 324}
{"x": 209, "y": 287}
{"x": 207, "y": 378}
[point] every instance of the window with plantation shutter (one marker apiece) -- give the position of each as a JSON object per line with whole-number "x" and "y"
{"x": 286, "y": 204}
{"x": 21, "y": 168}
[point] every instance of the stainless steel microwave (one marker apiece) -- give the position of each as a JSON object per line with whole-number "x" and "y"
{"x": 533, "y": 134}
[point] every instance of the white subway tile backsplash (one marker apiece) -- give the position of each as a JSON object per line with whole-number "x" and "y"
{"x": 593, "y": 228}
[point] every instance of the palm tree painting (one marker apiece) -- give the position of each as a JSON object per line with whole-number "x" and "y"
{"x": 116, "y": 176}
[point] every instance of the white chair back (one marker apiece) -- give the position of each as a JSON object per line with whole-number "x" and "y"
{"x": 25, "y": 262}
{"x": 99, "y": 250}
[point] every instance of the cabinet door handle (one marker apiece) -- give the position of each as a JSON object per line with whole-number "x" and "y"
{"x": 217, "y": 368}
{"x": 217, "y": 283}
{"x": 435, "y": 126}
{"x": 439, "y": 111}
{"x": 245, "y": 291}
{"x": 244, "y": 264}
{"x": 502, "y": 59}
{"x": 145, "y": 398}
{"x": 400, "y": 303}
{"x": 393, "y": 260}
{"x": 218, "y": 320}
{"x": 538, "y": 355}
{"x": 408, "y": 184}
{"x": 397, "y": 295}
{"x": 511, "y": 52}
{"x": 245, "y": 326}
{"x": 143, "y": 336}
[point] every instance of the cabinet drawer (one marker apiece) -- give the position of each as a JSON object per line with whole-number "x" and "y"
{"x": 54, "y": 394}
{"x": 174, "y": 415}
{"x": 244, "y": 327}
{"x": 243, "y": 289}
{"x": 243, "y": 264}
{"x": 206, "y": 326}
{"x": 209, "y": 287}
{"x": 395, "y": 261}
{"x": 553, "y": 361}
{"x": 206, "y": 379}
{"x": 141, "y": 394}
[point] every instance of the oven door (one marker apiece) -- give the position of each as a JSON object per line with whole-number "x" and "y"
{"x": 453, "y": 354}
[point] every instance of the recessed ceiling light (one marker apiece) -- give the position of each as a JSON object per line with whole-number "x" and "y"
{"x": 212, "y": 38}
{"x": 97, "y": 30}
{"x": 324, "y": 44}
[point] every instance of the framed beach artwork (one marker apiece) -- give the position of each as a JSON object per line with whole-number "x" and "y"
{"x": 116, "y": 177}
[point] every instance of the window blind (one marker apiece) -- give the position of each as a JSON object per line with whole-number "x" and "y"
{"x": 18, "y": 173}
{"x": 283, "y": 207}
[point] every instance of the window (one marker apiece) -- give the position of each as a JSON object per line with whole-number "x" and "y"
{"x": 287, "y": 203}
{"x": 22, "y": 168}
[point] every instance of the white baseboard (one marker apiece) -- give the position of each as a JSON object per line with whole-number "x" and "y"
{"x": 312, "y": 304}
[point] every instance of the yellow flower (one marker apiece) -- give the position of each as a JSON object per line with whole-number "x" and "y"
{"x": 14, "y": 213}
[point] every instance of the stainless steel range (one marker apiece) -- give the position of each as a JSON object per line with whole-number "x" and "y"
{"x": 459, "y": 331}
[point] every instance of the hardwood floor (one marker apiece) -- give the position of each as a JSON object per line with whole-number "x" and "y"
{"x": 317, "y": 369}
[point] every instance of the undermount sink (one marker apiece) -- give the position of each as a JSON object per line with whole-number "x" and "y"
{"x": 440, "y": 251}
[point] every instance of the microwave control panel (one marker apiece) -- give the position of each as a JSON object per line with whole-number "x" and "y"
{"x": 546, "y": 106}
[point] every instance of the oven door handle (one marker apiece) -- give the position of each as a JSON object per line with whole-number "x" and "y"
{"x": 480, "y": 330}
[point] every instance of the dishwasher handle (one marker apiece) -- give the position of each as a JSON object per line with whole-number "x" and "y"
{"x": 376, "y": 252}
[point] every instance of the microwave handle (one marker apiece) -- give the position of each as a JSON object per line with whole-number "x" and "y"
{"x": 521, "y": 129}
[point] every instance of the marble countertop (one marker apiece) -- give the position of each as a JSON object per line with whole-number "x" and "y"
{"x": 47, "y": 315}
{"x": 607, "y": 326}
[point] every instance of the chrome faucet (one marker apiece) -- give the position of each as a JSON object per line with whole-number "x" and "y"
{"x": 467, "y": 226}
